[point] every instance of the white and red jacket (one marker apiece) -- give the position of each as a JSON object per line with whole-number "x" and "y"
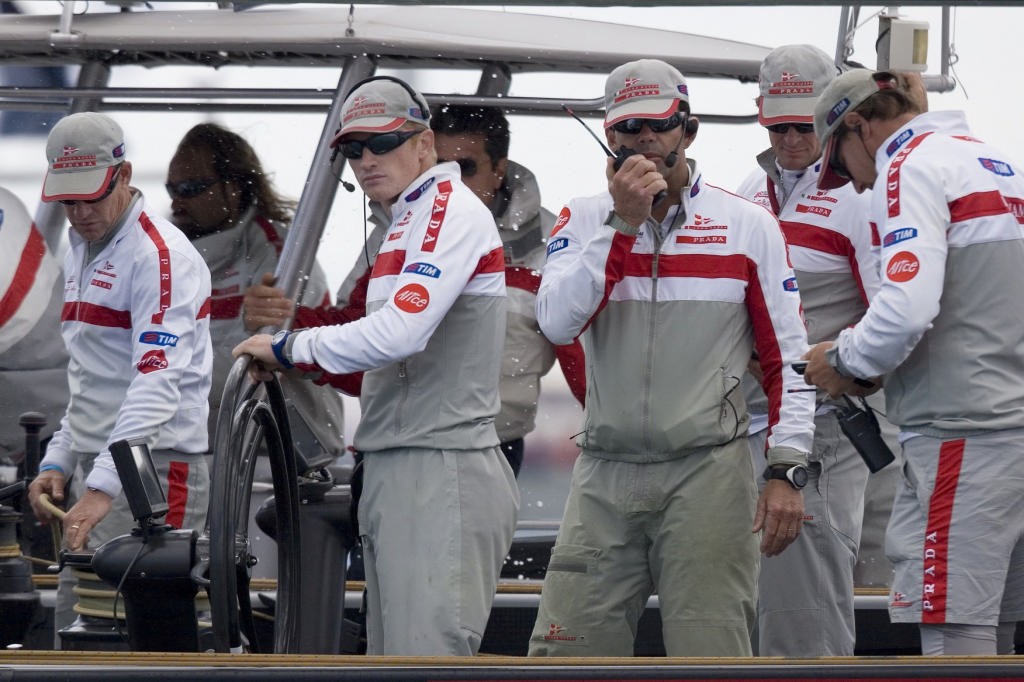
{"x": 669, "y": 319}
{"x": 136, "y": 323}
{"x": 832, "y": 248}
{"x": 435, "y": 324}
{"x": 948, "y": 322}
{"x": 33, "y": 362}
{"x": 523, "y": 226}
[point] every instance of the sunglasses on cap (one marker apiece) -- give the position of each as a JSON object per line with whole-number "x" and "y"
{"x": 107, "y": 193}
{"x": 633, "y": 126}
{"x": 467, "y": 166}
{"x": 378, "y": 144}
{"x": 188, "y": 189}
{"x": 783, "y": 128}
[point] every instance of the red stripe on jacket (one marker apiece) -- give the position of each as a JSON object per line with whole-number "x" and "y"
{"x": 99, "y": 315}
{"x": 164, "y": 259}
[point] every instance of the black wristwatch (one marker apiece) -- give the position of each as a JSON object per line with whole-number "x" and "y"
{"x": 796, "y": 475}
{"x": 277, "y": 345}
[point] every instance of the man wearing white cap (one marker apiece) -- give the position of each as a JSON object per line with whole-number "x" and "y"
{"x": 439, "y": 499}
{"x": 945, "y": 328}
{"x": 136, "y": 326}
{"x": 671, "y": 295}
{"x": 805, "y": 603}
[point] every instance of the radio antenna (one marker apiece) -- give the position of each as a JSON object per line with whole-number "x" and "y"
{"x": 572, "y": 113}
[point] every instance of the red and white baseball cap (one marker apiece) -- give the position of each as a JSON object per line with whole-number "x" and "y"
{"x": 645, "y": 88}
{"x": 82, "y": 152}
{"x": 791, "y": 79}
{"x": 381, "y": 105}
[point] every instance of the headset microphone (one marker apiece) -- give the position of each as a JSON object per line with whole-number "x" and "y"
{"x": 671, "y": 159}
{"x": 347, "y": 185}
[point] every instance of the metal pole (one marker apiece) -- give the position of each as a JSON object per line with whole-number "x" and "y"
{"x": 300, "y": 246}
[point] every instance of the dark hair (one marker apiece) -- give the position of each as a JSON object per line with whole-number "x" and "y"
{"x": 456, "y": 119}
{"x": 234, "y": 159}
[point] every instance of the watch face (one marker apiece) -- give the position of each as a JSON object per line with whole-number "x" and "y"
{"x": 279, "y": 336}
{"x": 798, "y": 476}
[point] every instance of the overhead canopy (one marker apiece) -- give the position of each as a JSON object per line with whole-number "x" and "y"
{"x": 411, "y": 36}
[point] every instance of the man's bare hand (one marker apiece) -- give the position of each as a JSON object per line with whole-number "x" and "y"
{"x": 780, "y": 515}
{"x": 265, "y": 305}
{"x": 634, "y": 186}
{"x": 50, "y": 482}
{"x": 83, "y": 517}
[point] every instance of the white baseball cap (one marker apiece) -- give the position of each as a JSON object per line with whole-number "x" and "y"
{"x": 791, "y": 79}
{"x": 82, "y": 152}
{"x": 381, "y": 105}
{"x": 645, "y": 88}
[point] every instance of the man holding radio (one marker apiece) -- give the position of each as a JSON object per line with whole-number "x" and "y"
{"x": 671, "y": 296}
{"x": 945, "y": 328}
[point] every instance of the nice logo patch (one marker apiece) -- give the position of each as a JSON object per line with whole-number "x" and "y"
{"x": 152, "y": 361}
{"x": 903, "y": 267}
{"x": 412, "y": 298}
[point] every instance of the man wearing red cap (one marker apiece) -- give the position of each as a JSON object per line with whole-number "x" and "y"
{"x": 439, "y": 499}
{"x": 136, "y": 326}
{"x": 673, "y": 283}
{"x": 945, "y": 329}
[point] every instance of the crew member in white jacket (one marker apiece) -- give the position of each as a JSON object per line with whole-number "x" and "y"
{"x": 439, "y": 500}
{"x": 945, "y": 329}
{"x": 136, "y": 326}
{"x": 671, "y": 296}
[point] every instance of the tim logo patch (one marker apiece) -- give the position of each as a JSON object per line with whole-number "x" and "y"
{"x": 903, "y": 267}
{"x": 557, "y": 245}
{"x": 152, "y": 361}
{"x": 412, "y": 298}
{"x": 153, "y": 338}
{"x": 997, "y": 167}
{"x": 790, "y": 284}
{"x": 901, "y": 235}
{"x": 425, "y": 269}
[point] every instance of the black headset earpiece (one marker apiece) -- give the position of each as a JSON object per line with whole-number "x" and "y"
{"x": 691, "y": 126}
{"x": 416, "y": 97}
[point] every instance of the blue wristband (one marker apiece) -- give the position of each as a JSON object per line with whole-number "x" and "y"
{"x": 51, "y": 467}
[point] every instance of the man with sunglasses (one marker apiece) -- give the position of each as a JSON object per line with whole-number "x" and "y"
{"x": 477, "y": 138}
{"x": 224, "y": 202}
{"x": 945, "y": 329}
{"x": 672, "y": 282}
{"x": 136, "y": 327}
{"x": 439, "y": 500}
{"x": 805, "y": 603}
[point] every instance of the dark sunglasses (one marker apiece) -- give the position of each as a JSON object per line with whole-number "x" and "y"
{"x": 467, "y": 166}
{"x": 378, "y": 144}
{"x": 834, "y": 163}
{"x": 783, "y": 128}
{"x": 633, "y": 126}
{"x": 187, "y": 189}
{"x": 110, "y": 189}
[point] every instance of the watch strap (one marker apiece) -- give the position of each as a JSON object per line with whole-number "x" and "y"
{"x": 277, "y": 345}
